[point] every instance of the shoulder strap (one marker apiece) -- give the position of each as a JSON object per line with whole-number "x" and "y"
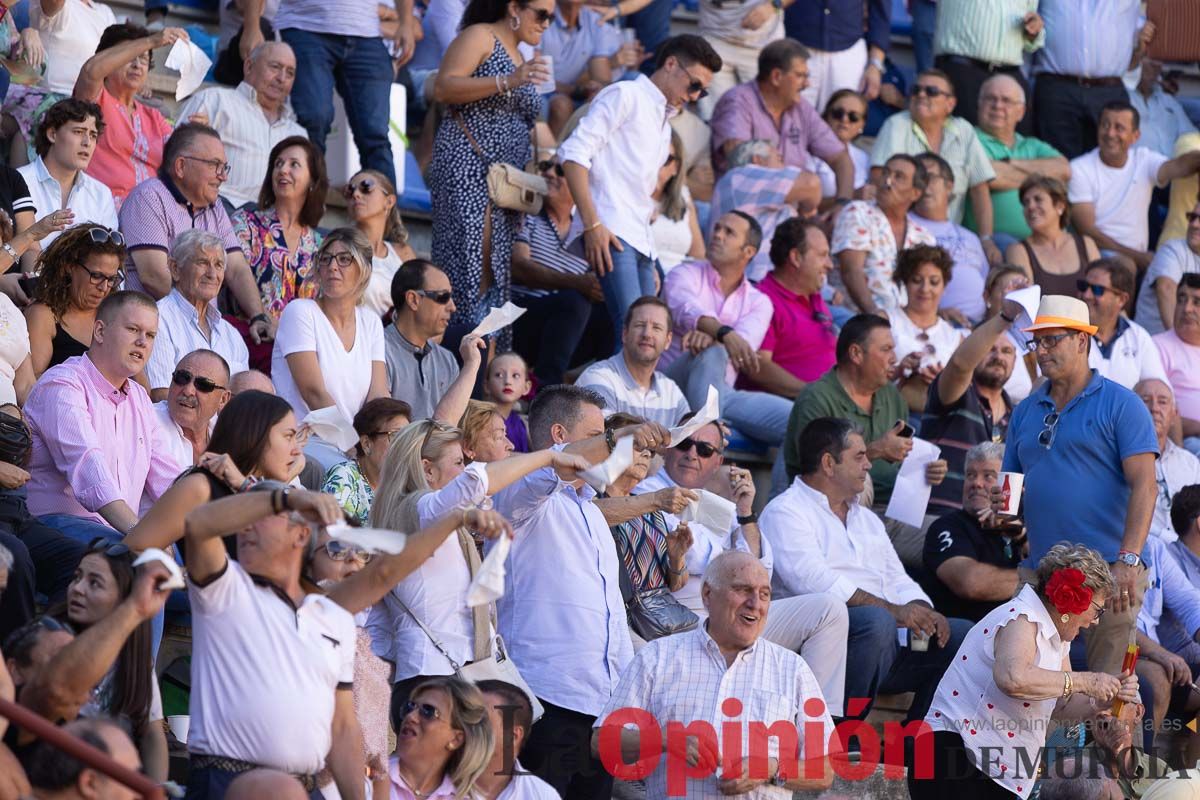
{"x": 1081, "y": 248}
{"x": 467, "y": 132}
{"x": 1034, "y": 266}
{"x": 436, "y": 643}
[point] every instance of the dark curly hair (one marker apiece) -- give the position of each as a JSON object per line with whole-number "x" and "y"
{"x": 910, "y": 260}
{"x": 68, "y": 251}
{"x": 62, "y": 112}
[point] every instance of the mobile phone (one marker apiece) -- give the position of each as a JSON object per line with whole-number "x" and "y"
{"x": 906, "y": 431}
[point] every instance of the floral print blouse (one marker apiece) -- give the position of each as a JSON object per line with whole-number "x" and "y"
{"x": 281, "y": 276}
{"x": 346, "y": 483}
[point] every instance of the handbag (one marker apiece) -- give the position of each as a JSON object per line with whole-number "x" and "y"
{"x": 653, "y": 613}
{"x": 508, "y": 187}
{"x": 15, "y": 440}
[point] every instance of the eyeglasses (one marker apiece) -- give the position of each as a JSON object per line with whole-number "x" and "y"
{"x": 1099, "y": 609}
{"x": 703, "y": 449}
{"x": 344, "y": 259}
{"x": 181, "y": 377}
{"x": 1046, "y": 437}
{"x": 108, "y": 547}
{"x": 1096, "y": 289}
{"x": 428, "y": 712}
{"x": 102, "y": 235}
{"x": 547, "y": 166}
{"x": 340, "y": 551}
{"x": 929, "y": 91}
{"x": 844, "y": 113}
{"x": 993, "y": 100}
{"x": 1047, "y": 343}
{"x": 439, "y": 296}
{"x": 220, "y": 167}
{"x": 391, "y": 435}
{"x": 100, "y": 279}
{"x": 541, "y": 15}
{"x": 695, "y": 86}
{"x": 1192, "y": 217}
{"x": 366, "y": 186}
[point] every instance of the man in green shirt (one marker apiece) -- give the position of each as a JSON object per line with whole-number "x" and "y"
{"x": 1014, "y": 157}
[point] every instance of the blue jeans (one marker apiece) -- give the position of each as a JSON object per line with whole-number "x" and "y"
{"x": 632, "y": 277}
{"x": 881, "y": 665}
{"x": 924, "y": 14}
{"x": 759, "y": 415}
{"x": 653, "y": 26}
{"x": 361, "y": 69}
{"x": 210, "y": 783}
{"x": 85, "y": 530}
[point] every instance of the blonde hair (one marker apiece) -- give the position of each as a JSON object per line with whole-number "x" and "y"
{"x": 478, "y": 414}
{"x": 672, "y": 204}
{"x": 469, "y": 714}
{"x": 360, "y": 249}
{"x": 1064, "y": 555}
{"x": 403, "y": 473}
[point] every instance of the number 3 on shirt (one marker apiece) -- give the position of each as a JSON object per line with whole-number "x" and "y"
{"x": 944, "y": 538}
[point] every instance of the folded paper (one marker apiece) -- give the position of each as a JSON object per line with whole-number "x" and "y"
{"x": 488, "y": 584}
{"x": 600, "y": 476}
{"x": 331, "y": 425}
{"x": 373, "y": 540}
{"x": 910, "y": 495}
{"x": 497, "y": 318}
{"x": 175, "y": 581}
{"x": 1029, "y": 299}
{"x": 710, "y": 413}
{"x": 712, "y": 511}
{"x": 192, "y": 64}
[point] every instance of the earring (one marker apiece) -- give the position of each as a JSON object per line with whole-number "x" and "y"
{"x": 514, "y": 23}
{"x": 1065, "y": 618}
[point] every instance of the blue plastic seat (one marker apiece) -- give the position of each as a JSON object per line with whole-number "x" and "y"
{"x": 415, "y": 196}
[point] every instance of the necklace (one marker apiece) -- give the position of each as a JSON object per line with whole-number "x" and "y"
{"x": 413, "y": 788}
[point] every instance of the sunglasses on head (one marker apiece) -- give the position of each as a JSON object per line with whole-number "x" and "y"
{"x": 844, "y": 113}
{"x": 108, "y": 547}
{"x": 182, "y": 377}
{"x": 340, "y": 551}
{"x": 548, "y": 165}
{"x": 703, "y": 449}
{"x": 440, "y": 296}
{"x": 929, "y": 91}
{"x": 366, "y": 186}
{"x": 1096, "y": 289}
{"x": 100, "y": 235}
{"x": 23, "y": 634}
{"x": 428, "y": 712}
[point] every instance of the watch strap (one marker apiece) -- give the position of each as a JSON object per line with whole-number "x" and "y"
{"x": 748, "y": 519}
{"x": 724, "y": 331}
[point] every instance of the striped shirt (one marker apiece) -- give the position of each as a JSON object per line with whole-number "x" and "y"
{"x": 987, "y": 30}
{"x": 770, "y": 683}
{"x": 1089, "y": 38}
{"x": 956, "y": 428}
{"x": 762, "y": 193}
{"x": 548, "y": 250}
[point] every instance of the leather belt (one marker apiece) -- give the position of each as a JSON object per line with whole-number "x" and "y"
{"x": 1079, "y": 80}
{"x": 989, "y": 66}
{"x": 201, "y": 761}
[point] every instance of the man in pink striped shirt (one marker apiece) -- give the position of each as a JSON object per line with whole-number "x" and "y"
{"x": 97, "y": 448}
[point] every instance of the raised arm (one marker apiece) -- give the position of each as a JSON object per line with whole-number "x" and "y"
{"x": 1179, "y": 167}
{"x": 956, "y": 377}
{"x": 100, "y": 66}
{"x": 458, "y": 394}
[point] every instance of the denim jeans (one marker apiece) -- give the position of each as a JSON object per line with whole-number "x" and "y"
{"x": 653, "y": 26}
{"x": 361, "y": 69}
{"x": 44, "y": 562}
{"x": 759, "y": 415}
{"x": 924, "y": 17}
{"x": 561, "y": 330}
{"x": 632, "y": 277}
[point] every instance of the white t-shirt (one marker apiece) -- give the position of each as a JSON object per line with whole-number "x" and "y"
{"x": 943, "y": 338}
{"x": 378, "y": 296}
{"x": 70, "y": 38}
{"x": 1133, "y": 357}
{"x": 1172, "y": 260}
{"x": 14, "y": 346}
{"x": 303, "y": 327}
{"x": 1121, "y": 196}
{"x": 672, "y": 238}
{"x": 862, "y": 170}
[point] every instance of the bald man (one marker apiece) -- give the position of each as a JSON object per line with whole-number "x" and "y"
{"x": 55, "y": 775}
{"x": 1176, "y": 467}
{"x": 251, "y": 380}
{"x": 259, "y": 783}
{"x": 1014, "y": 157}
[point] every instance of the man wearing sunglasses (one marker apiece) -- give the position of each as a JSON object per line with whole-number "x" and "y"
{"x": 1122, "y": 350}
{"x": 772, "y": 107}
{"x": 199, "y": 390}
{"x": 929, "y": 126}
{"x": 611, "y": 164}
{"x": 1174, "y": 258}
{"x": 1086, "y": 446}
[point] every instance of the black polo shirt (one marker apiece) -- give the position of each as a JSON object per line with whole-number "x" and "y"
{"x": 956, "y": 428}
{"x": 959, "y": 534}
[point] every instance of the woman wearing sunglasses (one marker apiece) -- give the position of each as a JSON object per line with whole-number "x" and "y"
{"x": 424, "y": 479}
{"x": 492, "y": 103}
{"x": 280, "y": 237}
{"x": 103, "y": 580}
{"x": 77, "y": 271}
{"x": 371, "y": 203}
{"x": 444, "y": 740}
{"x": 675, "y": 226}
{"x": 353, "y": 482}
{"x": 846, "y": 114}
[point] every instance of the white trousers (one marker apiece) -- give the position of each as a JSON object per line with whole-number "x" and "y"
{"x": 740, "y": 64}
{"x": 829, "y": 71}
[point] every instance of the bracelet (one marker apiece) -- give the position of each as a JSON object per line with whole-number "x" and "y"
{"x": 505, "y": 81}
{"x": 498, "y": 89}
{"x": 748, "y": 519}
{"x": 276, "y": 505}
{"x": 877, "y": 64}
{"x": 260, "y": 317}
{"x": 593, "y": 226}
{"x": 674, "y": 571}
{"x": 245, "y": 485}
{"x": 8, "y": 248}
{"x": 1006, "y": 318}
{"x": 1067, "y": 689}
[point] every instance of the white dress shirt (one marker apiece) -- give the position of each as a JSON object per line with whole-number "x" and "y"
{"x": 771, "y": 683}
{"x": 562, "y": 615}
{"x": 1173, "y": 470}
{"x": 663, "y": 402}
{"x": 247, "y": 134}
{"x": 179, "y": 334}
{"x": 818, "y": 553}
{"x": 623, "y": 140}
{"x": 1168, "y": 590}
{"x": 1131, "y": 357}
{"x": 179, "y": 446}
{"x": 90, "y": 199}
{"x": 526, "y": 786}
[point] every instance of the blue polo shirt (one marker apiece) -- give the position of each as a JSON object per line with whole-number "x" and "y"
{"x": 1075, "y": 490}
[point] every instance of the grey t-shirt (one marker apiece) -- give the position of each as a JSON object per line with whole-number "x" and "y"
{"x": 417, "y": 375}
{"x": 1171, "y": 261}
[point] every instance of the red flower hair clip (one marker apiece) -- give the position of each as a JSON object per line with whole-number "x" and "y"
{"x": 1065, "y": 590}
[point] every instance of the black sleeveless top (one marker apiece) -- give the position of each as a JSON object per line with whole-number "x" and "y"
{"x": 1057, "y": 284}
{"x": 64, "y": 346}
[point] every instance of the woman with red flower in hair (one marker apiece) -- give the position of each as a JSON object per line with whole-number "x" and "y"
{"x": 1012, "y": 675}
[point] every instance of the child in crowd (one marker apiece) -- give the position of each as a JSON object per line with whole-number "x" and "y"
{"x": 507, "y": 382}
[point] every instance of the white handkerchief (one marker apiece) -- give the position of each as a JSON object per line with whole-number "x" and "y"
{"x": 192, "y": 64}
{"x": 373, "y": 540}
{"x": 488, "y": 584}
{"x": 164, "y": 558}
{"x": 331, "y": 425}
{"x": 910, "y": 495}
{"x": 1030, "y": 298}
{"x": 600, "y": 476}
{"x": 710, "y": 413}
{"x": 498, "y": 318}
{"x": 712, "y": 511}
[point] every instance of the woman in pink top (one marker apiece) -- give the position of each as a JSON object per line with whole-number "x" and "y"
{"x": 130, "y": 148}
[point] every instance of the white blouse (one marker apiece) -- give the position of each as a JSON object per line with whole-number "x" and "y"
{"x": 969, "y": 703}
{"x": 935, "y": 345}
{"x": 862, "y": 170}
{"x": 673, "y": 238}
{"x": 14, "y": 347}
{"x": 378, "y": 294}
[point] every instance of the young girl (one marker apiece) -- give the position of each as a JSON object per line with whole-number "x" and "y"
{"x": 507, "y": 382}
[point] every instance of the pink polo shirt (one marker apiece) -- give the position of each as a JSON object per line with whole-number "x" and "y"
{"x": 800, "y": 337}
{"x": 1181, "y": 361}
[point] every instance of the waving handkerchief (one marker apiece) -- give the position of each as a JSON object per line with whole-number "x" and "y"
{"x": 1029, "y": 298}
{"x": 712, "y": 511}
{"x": 192, "y": 64}
{"x": 488, "y": 584}
{"x": 497, "y": 318}
{"x": 600, "y": 476}
{"x": 373, "y": 540}
{"x": 154, "y": 554}
{"x": 331, "y": 425}
{"x": 710, "y": 413}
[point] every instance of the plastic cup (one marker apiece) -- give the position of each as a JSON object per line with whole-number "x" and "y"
{"x": 628, "y": 35}
{"x": 179, "y": 727}
{"x": 1011, "y": 484}
{"x": 918, "y": 644}
{"x": 549, "y": 86}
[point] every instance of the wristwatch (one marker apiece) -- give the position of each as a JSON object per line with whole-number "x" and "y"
{"x": 724, "y": 331}
{"x": 1129, "y": 558}
{"x": 260, "y": 317}
{"x": 8, "y": 248}
{"x": 610, "y": 439}
{"x": 749, "y": 518}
